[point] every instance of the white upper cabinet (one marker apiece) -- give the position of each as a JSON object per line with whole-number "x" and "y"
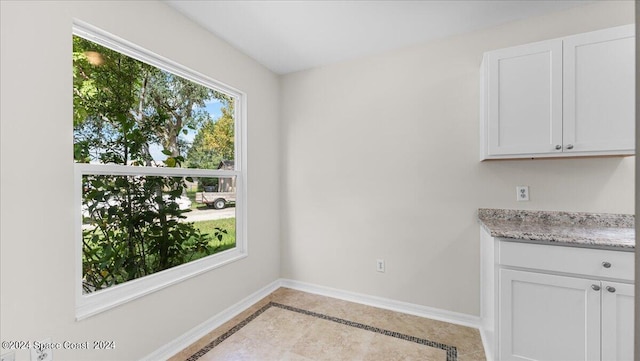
{"x": 599, "y": 90}
{"x": 573, "y": 96}
{"x": 525, "y": 98}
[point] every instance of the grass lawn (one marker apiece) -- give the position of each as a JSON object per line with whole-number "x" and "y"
{"x": 228, "y": 239}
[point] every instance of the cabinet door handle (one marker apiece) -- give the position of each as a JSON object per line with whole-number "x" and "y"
{"x": 569, "y": 146}
{"x": 595, "y": 287}
{"x": 606, "y": 264}
{"x": 611, "y": 289}
{"x": 558, "y": 147}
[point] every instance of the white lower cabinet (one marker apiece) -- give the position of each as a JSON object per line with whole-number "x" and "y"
{"x": 551, "y": 317}
{"x": 548, "y": 317}
{"x": 617, "y": 321}
{"x": 543, "y": 302}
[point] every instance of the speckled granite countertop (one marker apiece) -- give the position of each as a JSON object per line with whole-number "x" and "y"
{"x": 590, "y": 230}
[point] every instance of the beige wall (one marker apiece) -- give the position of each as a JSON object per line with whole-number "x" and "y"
{"x": 37, "y": 235}
{"x": 380, "y": 160}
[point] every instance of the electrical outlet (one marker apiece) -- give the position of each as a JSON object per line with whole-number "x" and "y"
{"x": 522, "y": 193}
{"x": 9, "y": 356}
{"x": 380, "y": 265}
{"x": 42, "y": 351}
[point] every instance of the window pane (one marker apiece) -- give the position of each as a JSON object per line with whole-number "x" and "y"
{"x": 134, "y": 226}
{"x": 131, "y": 113}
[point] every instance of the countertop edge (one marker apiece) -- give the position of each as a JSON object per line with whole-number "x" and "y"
{"x": 508, "y": 230}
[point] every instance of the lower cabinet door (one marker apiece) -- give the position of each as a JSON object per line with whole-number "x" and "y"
{"x": 548, "y": 317}
{"x": 617, "y": 321}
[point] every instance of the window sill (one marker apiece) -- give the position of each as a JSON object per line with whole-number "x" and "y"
{"x": 88, "y": 305}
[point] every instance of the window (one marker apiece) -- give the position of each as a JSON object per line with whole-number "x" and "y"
{"x": 160, "y": 172}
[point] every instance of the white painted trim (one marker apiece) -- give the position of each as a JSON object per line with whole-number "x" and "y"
{"x": 90, "y": 304}
{"x": 196, "y": 333}
{"x": 115, "y": 43}
{"x": 118, "y": 169}
{"x": 386, "y": 303}
{"x": 487, "y": 351}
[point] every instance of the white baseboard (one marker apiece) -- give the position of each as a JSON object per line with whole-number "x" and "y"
{"x": 485, "y": 343}
{"x": 386, "y": 303}
{"x": 196, "y": 333}
{"x": 209, "y": 325}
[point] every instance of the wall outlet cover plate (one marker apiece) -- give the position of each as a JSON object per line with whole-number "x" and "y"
{"x": 42, "y": 353}
{"x": 522, "y": 193}
{"x": 9, "y": 356}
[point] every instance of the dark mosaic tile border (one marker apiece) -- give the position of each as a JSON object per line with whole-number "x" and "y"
{"x": 452, "y": 352}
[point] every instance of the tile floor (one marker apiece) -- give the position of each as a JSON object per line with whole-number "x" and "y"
{"x": 294, "y": 325}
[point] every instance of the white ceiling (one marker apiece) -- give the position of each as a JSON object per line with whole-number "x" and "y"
{"x": 287, "y": 36}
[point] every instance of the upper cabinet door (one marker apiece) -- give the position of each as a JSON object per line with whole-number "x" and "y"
{"x": 599, "y": 91}
{"x": 524, "y": 99}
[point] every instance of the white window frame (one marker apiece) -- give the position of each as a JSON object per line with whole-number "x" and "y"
{"x": 93, "y": 303}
